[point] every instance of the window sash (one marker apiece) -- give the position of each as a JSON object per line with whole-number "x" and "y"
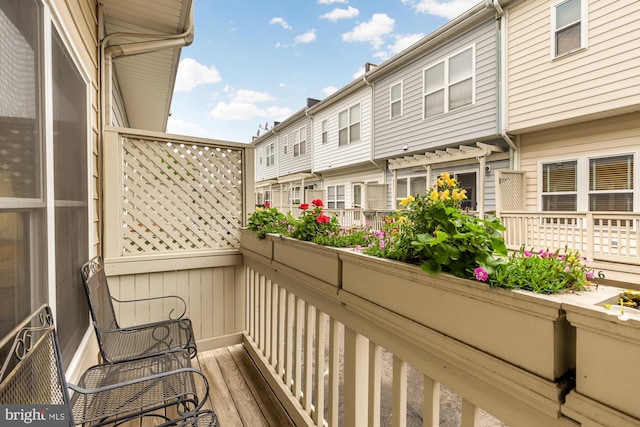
{"x": 395, "y": 99}
{"x": 568, "y": 27}
{"x": 449, "y": 84}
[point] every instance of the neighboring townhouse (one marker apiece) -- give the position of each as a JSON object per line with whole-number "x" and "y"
{"x": 342, "y": 150}
{"x": 574, "y": 105}
{"x": 284, "y": 161}
{"x": 438, "y": 108}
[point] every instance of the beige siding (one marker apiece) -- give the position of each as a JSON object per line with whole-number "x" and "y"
{"x": 601, "y": 80}
{"x": 620, "y": 134}
{"x": 214, "y": 298}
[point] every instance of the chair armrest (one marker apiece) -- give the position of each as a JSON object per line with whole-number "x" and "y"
{"x": 184, "y": 304}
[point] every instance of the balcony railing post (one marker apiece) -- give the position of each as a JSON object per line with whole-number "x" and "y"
{"x": 356, "y": 378}
{"x": 399, "y": 392}
{"x": 470, "y": 414}
{"x": 431, "y": 402}
{"x": 375, "y": 367}
{"x": 321, "y": 319}
{"x": 590, "y": 237}
{"x": 334, "y": 372}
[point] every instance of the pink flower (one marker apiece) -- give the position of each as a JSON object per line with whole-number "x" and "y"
{"x": 481, "y": 274}
{"x": 317, "y": 203}
{"x": 527, "y": 254}
{"x": 304, "y": 206}
{"x": 357, "y": 248}
{"x": 590, "y": 275}
{"x": 323, "y": 219}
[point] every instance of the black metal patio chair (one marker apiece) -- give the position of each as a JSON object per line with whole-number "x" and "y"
{"x": 127, "y": 343}
{"x": 160, "y": 390}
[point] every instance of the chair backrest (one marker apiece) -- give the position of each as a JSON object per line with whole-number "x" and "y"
{"x": 32, "y": 372}
{"x": 98, "y": 295}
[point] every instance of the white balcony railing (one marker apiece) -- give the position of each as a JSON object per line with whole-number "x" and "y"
{"x": 600, "y": 236}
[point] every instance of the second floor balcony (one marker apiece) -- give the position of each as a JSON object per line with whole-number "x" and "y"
{"x": 342, "y": 339}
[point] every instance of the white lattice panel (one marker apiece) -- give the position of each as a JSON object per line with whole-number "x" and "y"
{"x": 511, "y": 190}
{"x": 179, "y": 196}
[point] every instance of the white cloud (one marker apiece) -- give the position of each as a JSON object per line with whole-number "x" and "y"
{"x": 308, "y": 37}
{"x": 332, "y": 1}
{"x": 358, "y": 73}
{"x": 282, "y": 84}
{"x": 243, "y": 104}
{"x": 372, "y": 31}
{"x": 183, "y": 127}
{"x": 404, "y": 41}
{"x": 236, "y": 111}
{"x": 281, "y": 22}
{"x": 246, "y": 95}
{"x": 444, "y": 8}
{"x": 192, "y": 74}
{"x": 337, "y": 14}
{"x": 278, "y": 113}
{"x": 329, "y": 90}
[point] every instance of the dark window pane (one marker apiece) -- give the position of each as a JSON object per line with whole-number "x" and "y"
{"x": 621, "y": 202}
{"x": 561, "y": 202}
{"x": 568, "y": 39}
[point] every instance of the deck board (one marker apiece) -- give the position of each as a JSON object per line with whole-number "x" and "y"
{"x": 264, "y": 396}
{"x": 238, "y": 393}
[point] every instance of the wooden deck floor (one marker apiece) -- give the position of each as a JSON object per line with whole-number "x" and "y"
{"x": 238, "y": 393}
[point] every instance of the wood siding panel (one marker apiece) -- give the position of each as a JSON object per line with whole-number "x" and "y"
{"x": 211, "y": 295}
{"x": 331, "y": 155}
{"x": 289, "y": 164}
{"x": 599, "y": 137}
{"x": 600, "y": 80}
{"x": 264, "y": 172}
{"x": 471, "y": 122}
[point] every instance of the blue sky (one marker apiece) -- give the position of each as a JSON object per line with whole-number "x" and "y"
{"x": 256, "y": 61}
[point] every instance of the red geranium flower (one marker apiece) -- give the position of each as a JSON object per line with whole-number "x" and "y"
{"x": 323, "y": 219}
{"x": 267, "y": 204}
{"x": 304, "y": 206}
{"x": 317, "y": 202}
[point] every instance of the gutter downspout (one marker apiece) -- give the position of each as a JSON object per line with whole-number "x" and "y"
{"x": 313, "y": 151}
{"x": 108, "y": 53}
{"x": 501, "y": 83}
{"x": 373, "y": 131}
{"x": 165, "y": 41}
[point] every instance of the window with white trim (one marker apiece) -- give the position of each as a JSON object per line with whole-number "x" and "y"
{"x": 414, "y": 186}
{"x": 325, "y": 133}
{"x": 336, "y": 197}
{"x": 560, "y": 186}
{"x": 449, "y": 84}
{"x": 300, "y": 141}
{"x": 568, "y": 27}
{"x": 395, "y": 100}
{"x": 270, "y": 154}
{"x": 349, "y": 125}
{"x": 31, "y": 130}
{"x": 604, "y": 183}
{"x": 357, "y": 195}
{"x": 295, "y": 195}
{"x": 611, "y": 184}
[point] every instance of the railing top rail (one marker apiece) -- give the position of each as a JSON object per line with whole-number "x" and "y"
{"x": 167, "y": 137}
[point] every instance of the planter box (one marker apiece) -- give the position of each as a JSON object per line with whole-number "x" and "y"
{"x": 525, "y": 329}
{"x": 319, "y": 261}
{"x": 607, "y": 356}
{"x": 249, "y": 240}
